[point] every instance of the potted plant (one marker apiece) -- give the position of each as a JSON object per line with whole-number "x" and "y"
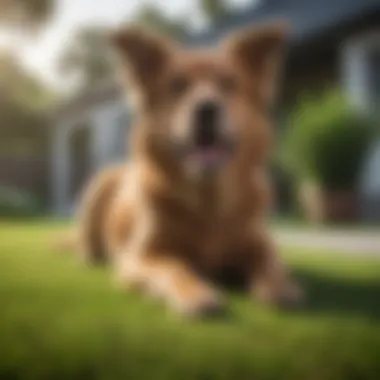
{"x": 324, "y": 146}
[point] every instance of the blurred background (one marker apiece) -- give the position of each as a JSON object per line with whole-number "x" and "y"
{"x": 62, "y": 116}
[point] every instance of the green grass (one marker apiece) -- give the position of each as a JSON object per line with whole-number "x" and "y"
{"x": 59, "y": 320}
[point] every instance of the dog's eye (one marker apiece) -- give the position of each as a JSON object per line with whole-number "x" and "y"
{"x": 227, "y": 83}
{"x": 178, "y": 85}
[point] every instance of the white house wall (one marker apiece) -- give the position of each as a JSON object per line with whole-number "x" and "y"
{"x": 357, "y": 73}
{"x": 104, "y": 123}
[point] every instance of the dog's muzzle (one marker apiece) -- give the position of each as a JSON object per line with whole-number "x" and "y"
{"x": 211, "y": 146}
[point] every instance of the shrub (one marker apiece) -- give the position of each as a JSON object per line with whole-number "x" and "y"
{"x": 18, "y": 204}
{"x": 326, "y": 141}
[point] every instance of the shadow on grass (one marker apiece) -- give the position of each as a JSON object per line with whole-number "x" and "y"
{"x": 340, "y": 297}
{"x": 328, "y": 295}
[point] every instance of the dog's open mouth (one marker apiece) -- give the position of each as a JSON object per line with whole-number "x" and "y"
{"x": 211, "y": 157}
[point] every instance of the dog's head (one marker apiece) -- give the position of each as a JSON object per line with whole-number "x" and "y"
{"x": 205, "y": 108}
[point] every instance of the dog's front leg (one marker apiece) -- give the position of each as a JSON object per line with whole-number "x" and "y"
{"x": 268, "y": 278}
{"x": 163, "y": 274}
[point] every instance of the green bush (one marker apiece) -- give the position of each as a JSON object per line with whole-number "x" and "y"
{"x": 326, "y": 141}
{"x": 15, "y": 203}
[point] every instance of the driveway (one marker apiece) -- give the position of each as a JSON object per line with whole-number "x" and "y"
{"x": 355, "y": 242}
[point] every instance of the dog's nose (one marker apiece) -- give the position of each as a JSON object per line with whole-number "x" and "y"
{"x": 207, "y": 118}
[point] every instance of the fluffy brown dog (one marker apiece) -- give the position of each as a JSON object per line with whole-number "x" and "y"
{"x": 191, "y": 206}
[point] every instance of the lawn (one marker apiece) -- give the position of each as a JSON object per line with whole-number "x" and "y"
{"x": 59, "y": 320}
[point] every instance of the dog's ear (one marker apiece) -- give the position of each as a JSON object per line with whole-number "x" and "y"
{"x": 143, "y": 54}
{"x": 259, "y": 52}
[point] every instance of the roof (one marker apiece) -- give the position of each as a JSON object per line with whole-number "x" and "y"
{"x": 308, "y": 18}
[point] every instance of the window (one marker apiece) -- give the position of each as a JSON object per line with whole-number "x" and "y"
{"x": 361, "y": 70}
{"x": 374, "y": 73}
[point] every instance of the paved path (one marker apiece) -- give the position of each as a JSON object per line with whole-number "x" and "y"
{"x": 353, "y": 242}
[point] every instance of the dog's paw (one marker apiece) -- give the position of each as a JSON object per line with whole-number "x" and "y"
{"x": 202, "y": 304}
{"x": 288, "y": 296}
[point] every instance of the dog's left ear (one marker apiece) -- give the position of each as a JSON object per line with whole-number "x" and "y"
{"x": 144, "y": 55}
{"x": 259, "y": 52}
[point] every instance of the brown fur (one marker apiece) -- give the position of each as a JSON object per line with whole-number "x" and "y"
{"x": 165, "y": 231}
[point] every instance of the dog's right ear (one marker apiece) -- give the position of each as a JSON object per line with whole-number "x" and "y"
{"x": 258, "y": 51}
{"x": 144, "y": 56}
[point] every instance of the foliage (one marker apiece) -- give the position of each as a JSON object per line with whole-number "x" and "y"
{"x": 152, "y": 17}
{"x": 20, "y": 85}
{"x": 214, "y": 10}
{"x": 15, "y": 203}
{"x": 24, "y": 102}
{"x": 61, "y": 320}
{"x": 326, "y": 141}
{"x": 86, "y": 58}
{"x": 25, "y": 14}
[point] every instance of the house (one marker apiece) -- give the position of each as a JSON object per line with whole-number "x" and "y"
{"x": 89, "y": 132}
{"x": 333, "y": 42}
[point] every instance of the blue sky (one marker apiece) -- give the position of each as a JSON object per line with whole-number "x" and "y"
{"x": 41, "y": 55}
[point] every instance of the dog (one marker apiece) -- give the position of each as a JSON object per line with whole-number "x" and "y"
{"x": 190, "y": 208}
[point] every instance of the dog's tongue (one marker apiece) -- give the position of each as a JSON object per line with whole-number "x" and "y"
{"x": 210, "y": 157}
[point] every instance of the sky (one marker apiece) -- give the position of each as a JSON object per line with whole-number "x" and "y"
{"x": 40, "y": 55}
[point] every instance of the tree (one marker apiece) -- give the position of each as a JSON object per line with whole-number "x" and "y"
{"x": 21, "y": 86}
{"x": 25, "y": 14}
{"x": 23, "y": 105}
{"x": 151, "y": 17}
{"x": 214, "y": 10}
{"x": 87, "y": 57}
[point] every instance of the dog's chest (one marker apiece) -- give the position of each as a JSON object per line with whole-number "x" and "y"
{"x": 216, "y": 243}
{"x": 222, "y": 221}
